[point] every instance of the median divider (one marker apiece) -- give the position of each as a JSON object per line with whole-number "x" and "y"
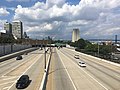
{"x": 45, "y": 76}
{"x": 9, "y": 56}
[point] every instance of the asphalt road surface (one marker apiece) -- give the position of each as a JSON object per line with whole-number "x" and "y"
{"x": 31, "y": 65}
{"x": 66, "y": 74}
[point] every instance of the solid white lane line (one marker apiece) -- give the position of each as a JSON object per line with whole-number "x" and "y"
{"x": 67, "y": 73}
{"x": 88, "y": 74}
{"x": 26, "y": 70}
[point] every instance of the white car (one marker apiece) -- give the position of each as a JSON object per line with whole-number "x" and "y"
{"x": 76, "y": 56}
{"x": 82, "y": 64}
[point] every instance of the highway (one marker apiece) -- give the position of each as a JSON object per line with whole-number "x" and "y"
{"x": 31, "y": 64}
{"x": 66, "y": 74}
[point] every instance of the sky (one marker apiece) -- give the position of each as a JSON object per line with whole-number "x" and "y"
{"x": 96, "y": 19}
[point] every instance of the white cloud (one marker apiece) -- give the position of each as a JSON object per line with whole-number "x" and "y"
{"x": 3, "y": 12}
{"x": 51, "y": 3}
{"x": 95, "y": 18}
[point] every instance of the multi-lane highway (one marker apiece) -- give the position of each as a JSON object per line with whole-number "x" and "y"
{"x": 31, "y": 64}
{"x": 64, "y": 72}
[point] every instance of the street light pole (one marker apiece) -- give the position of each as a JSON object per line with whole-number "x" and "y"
{"x": 45, "y": 59}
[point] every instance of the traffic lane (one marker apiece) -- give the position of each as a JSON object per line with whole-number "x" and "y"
{"x": 97, "y": 65}
{"x": 12, "y": 60}
{"x": 57, "y": 76}
{"x": 103, "y": 63}
{"x": 104, "y": 76}
{"x": 108, "y": 78}
{"x": 81, "y": 78}
{"x": 17, "y": 70}
{"x": 12, "y": 63}
{"x": 16, "y": 73}
{"x": 35, "y": 73}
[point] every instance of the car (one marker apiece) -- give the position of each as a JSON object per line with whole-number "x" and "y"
{"x": 76, "y": 56}
{"x": 23, "y": 82}
{"x": 116, "y": 58}
{"x": 19, "y": 57}
{"x": 82, "y": 64}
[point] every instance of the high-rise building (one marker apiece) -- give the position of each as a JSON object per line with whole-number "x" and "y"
{"x": 8, "y": 27}
{"x": 75, "y": 35}
{"x": 115, "y": 39}
{"x": 17, "y": 29}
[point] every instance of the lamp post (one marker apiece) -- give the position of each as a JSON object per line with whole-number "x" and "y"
{"x": 45, "y": 57}
{"x": 45, "y": 60}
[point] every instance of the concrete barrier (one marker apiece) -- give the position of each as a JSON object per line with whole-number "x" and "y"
{"x": 45, "y": 76}
{"x": 9, "y": 56}
{"x": 116, "y": 64}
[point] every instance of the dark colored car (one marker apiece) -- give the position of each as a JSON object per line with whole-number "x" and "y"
{"x": 23, "y": 82}
{"x": 19, "y": 57}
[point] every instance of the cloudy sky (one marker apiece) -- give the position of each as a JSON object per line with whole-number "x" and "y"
{"x": 96, "y": 19}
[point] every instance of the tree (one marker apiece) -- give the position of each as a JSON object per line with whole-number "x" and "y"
{"x": 91, "y": 48}
{"x": 105, "y": 49}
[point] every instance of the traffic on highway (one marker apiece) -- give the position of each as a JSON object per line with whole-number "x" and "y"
{"x": 67, "y": 70}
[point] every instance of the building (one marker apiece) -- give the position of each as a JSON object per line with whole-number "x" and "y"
{"x": 25, "y": 35}
{"x": 17, "y": 29}
{"x": 75, "y": 35}
{"x": 8, "y": 27}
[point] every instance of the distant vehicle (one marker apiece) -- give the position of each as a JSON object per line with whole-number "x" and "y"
{"x": 23, "y": 82}
{"x": 116, "y": 58}
{"x": 19, "y": 57}
{"x": 82, "y": 64}
{"x": 76, "y": 56}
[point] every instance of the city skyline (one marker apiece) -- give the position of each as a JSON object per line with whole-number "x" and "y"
{"x": 96, "y": 19}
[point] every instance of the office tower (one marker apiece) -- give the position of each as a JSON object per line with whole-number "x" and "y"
{"x": 17, "y": 29}
{"x": 115, "y": 39}
{"x": 8, "y": 27}
{"x": 75, "y": 35}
